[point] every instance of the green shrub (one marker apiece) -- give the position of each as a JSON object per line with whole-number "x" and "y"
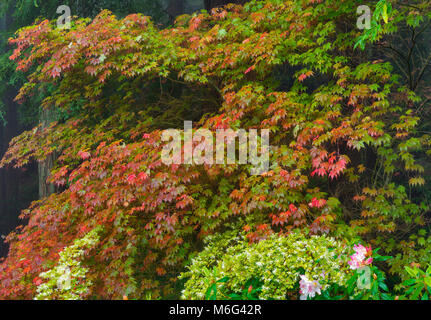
{"x": 67, "y": 280}
{"x": 228, "y": 263}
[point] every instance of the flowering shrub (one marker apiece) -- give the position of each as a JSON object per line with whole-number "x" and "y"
{"x": 67, "y": 280}
{"x": 211, "y": 277}
{"x": 278, "y": 262}
{"x": 364, "y": 282}
{"x": 369, "y": 282}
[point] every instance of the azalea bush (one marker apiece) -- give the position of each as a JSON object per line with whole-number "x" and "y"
{"x": 349, "y": 155}
{"x": 369, "y": 282}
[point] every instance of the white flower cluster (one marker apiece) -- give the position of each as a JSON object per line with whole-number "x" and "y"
{"x": 309, "y": 288}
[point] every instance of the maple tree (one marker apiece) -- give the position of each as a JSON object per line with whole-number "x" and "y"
{"x": 345, "y": 149}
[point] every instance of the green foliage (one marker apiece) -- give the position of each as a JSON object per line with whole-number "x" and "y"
{"x": 415, "y": 249}
{"x": 418, "y": 286}
{"x": 366, "y": 283}
{"x": 232, "y": 268}
{"x": 377, "y": 290}
{"x": 383, "y": 11}
{"x": 67, "y": 280}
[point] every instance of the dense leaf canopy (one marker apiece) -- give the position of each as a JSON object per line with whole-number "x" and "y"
{"x": 348, "y": 149}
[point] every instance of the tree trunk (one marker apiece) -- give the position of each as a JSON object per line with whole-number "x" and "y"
{"x": 8, "y": 178}
{"x": 210, "y": 4}
{"x": 175, "y": 8}
{"x": 44, "y": 168}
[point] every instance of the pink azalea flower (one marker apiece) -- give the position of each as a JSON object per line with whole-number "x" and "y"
{"x": 308, "y": 288}
{"x": 358, "y": 259}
